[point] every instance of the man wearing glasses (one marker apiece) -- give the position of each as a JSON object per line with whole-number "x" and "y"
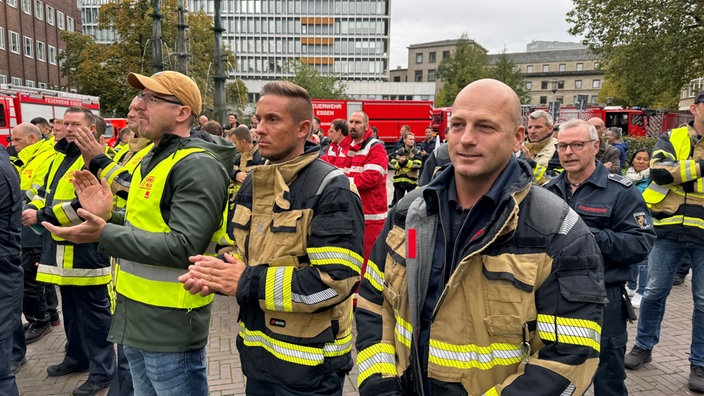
{"x": 175, "y": 204}
{"x": 616, "y": 214}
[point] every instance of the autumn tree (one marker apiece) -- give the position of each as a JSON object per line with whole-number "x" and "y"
{"x": 649, "y": 50}
{"x": 319, "y": 86}
{"x": 504, "y": 70}
{"x": 468, "y": 63}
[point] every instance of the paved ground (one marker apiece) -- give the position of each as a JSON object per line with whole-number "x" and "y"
{"x": 666, "y": 375}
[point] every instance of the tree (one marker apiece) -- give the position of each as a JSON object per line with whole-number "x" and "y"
{"x": 505, "y": 71}
{"x": 650, "y": 51}
{"x": 468, "y": 63}
{"x": 236, "y": 94}
{"x": 102, "y": 70}
{"x": 318, "y": 86}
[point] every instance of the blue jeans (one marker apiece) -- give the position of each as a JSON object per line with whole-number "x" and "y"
{"x": 168, "y": 373}
{"x": 662, "y": 265}
{"x": 639, "y": 277}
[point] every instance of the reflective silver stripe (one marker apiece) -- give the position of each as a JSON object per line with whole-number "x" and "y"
{"x": 658, "y": 188}
{"x": 212, "y": 246}
{"x": 282, "y": 350}
{"x": 112, "y": 170}
{"x": 376, "y": 358}
{"x": 375, "y": 167}
{"x": 568, "y": 222}
{"x": 279, "y": 280}
{"x": 314, "y": 298}
{"x": 151, "y": 272}
{"x": 569, "y": 331}
{"x": 70, "y": 213}
{"x": 339, "y": 347}
{"x": 374, "y": 276}
{"x": 464, "y": 359}
{"x": 74, "y": 272}
{"x": 569, "y": 391}
{"x": 381, "y": 216}
{"x": 332, "y": 255}
{"x": 333, "y": 174}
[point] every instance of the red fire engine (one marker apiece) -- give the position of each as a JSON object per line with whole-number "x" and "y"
{"x": 21, "y": 104}
{"x": 386, "y": 115}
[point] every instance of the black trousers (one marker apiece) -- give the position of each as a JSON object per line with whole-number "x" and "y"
{"x": 87, "y": 323}
{"x": 611, "y": 373}
{"x": 330, "y": 386}
{"x": 8, "y": 386}
{"x": 39, "y": 301}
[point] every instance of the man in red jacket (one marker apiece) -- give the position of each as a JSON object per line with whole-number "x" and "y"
{"x": 366, "y": 167}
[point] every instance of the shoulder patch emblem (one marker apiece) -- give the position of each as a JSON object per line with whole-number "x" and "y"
{"x": 642, "y": 220}
{"x": 620, "y": 179}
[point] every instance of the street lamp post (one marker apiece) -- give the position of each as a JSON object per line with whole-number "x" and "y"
{"x": 554, "y": 110}
{"x": 219, "y": 77}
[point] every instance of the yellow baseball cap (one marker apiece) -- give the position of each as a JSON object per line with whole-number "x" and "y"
{"x": 170, "y": 83}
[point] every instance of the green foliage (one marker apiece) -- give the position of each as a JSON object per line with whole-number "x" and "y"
{"x": 649, "y": 50}
{"x": 236, "y": 94}
{"x": 635, "y": 144}
{"x": 319, "y": 86}
{"x": 102, "y": 70}
{"x": 468, "y": 63}
{"x": 504, "y": 70}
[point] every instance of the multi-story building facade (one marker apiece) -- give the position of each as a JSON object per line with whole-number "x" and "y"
{"x": 568, "y": 76}
{"x": 424, "y": 59}
{"x": 89, "y": 18}
{"x": 30, "y": 41}
{"x": 347, "y": 37}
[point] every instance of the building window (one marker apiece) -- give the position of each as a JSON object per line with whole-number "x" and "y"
{"x": 419, "y": 57}
{"x": 50, "y": 15}
{"x": 397, "y": 78}
{"x": 580, "y": 66}
{"x": 560, "y": 99}
{"x": 543, "y": 85}
{"x": 596, "y": 84}
{"x": 577, "y": 84}
{"x": 69, "y": 24}
{"x": 14, "y": 42}
{"x": 52, "y": 54}
{"x": 546, "y": 68}
{"x": 60, "y": 20}
{"x": 431, "y": 75}
{"x": 2, "y": 37}
{"x": 39, "y": 10}
{"x": 16, "y": 81}
{"x": 41, "y": 51}
{"x": 3, "y": 79}
{"x": 529, "y": 85}
{"x": 12, "y": 3}
{"x": 431, "y": 57}
{"x": 543, "y": 100}
{"x": 529, "y": 69}
{"x": 28, "y": 47}
{"x": 29, "y": 83}
{"x": 42, "y": 85}
{"x": 27, "y": 6}
{"x": 560, "y": 85}
{"x": 418, "y": 76}
{"x": 445, "y": 55}
{"x": 562, "y": 67}
{"x": 595, "y": 99}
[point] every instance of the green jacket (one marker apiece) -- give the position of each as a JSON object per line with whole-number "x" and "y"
{"x": 192, "y": 205}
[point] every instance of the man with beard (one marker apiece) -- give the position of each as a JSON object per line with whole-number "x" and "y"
{"x": 539, "y": 149}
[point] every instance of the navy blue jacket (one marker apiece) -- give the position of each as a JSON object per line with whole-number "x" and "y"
{"x": 614, "y": 210}
{"x": 10, "y": 231}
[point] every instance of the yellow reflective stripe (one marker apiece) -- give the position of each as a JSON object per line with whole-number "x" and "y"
{"x": 111, "y": 172}
{"x": 374, "y": 276}
{"x": 73, "y": 276}
{"x": 680, "y": 220}
{"x": 405, "y": 180}
{"x": 666, "y": 154}
{"x": 293, "y": 353}
{"x": 570, "y": 331}
{"x": 278, "y": 289}
{"x": 376, "y": 359}
{"x": 403, "y": 330}
{"x": 491, "y": 392}
{"x": 64, "y": 256}
{"x": 155, "y": 285}
{"x": 473, "y": 356}
{"x": 331, "y": 255}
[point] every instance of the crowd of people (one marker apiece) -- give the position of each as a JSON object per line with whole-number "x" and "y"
{"x": 503, "y": 265}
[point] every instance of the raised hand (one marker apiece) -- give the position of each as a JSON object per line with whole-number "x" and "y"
{"x": 95, "y": 197}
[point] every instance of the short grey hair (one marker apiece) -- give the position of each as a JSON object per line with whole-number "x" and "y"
{"x": 577, "y": 123}
{"x": 616, "y": 132}
{"x": 29, "y": 129}
{"x": 542, "y": 114}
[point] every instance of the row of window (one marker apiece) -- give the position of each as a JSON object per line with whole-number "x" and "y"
{"x": 18, "y": 81}
{"x": 418, "y": 77}
{"x": 283, "y": 46}
{"x": 53, "y": 17}
{"x": 28, "y": 47}
{"x": 278, "y": 65}
{"x": 575, "y": 99}
{"x": 596, "y": 84}
{"x": 562, "y": 67}
{"x": 317, "y": 7}
{"x": 432, "y": 56}
{"x": 294, "y": 26}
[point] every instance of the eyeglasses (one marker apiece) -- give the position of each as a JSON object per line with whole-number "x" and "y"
{"x": 151, "y": 98}
{"x": 575, "y": 146}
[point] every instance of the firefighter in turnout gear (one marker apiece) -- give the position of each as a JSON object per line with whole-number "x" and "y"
{"x": 296, "y": 259}
{"x": 481, "y": 283}
{"x": 406, "y": 163}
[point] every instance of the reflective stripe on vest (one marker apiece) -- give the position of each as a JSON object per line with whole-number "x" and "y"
{"x": 472, "y": 356}
{"x": 151, "y": 284}
{"x": 293, "y": 353}
{"x": 403, "y": 330}
{"x": 65, "y": 274}
{"x": 681, "y": 142}
{"x": 572, "y": 331}
{"x": 376, "y": 359}
{"x": 374, "y": 276}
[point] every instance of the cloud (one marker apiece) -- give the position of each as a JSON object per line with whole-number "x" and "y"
{"x": 497, "y": 25}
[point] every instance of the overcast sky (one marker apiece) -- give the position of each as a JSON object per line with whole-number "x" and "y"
{"x": 494, "y": 24}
